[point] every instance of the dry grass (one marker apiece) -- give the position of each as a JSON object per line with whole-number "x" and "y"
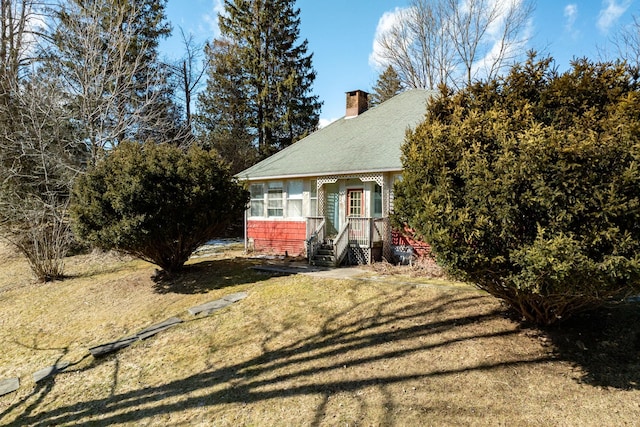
{"x": 301, "y": 350}
{"x": 421, "y": 268}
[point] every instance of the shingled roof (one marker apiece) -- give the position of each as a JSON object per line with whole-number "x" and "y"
{"x": 369, "y": 142}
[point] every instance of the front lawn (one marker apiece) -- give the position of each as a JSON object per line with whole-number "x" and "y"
{"x": 301, "y": 350}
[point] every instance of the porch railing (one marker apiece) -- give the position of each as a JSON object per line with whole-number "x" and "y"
{"x": 366, "y": 231}
{"x": 357, "y": 232}
{"x": 315, "y": 235}
{"x": 341, "y": 244}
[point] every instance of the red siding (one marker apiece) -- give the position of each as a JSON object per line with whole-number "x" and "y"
{"x": 278, "y": 237}
{"x": 407, "y": 238}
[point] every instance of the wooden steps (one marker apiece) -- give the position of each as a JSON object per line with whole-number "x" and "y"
{"x": 324, "y": 257}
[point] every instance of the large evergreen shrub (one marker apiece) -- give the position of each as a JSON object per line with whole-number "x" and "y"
{"x": 529, "y": 186}
{"x": 156, "y": 202}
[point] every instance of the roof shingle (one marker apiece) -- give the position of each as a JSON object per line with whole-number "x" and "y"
{"x": 369, "y": 142}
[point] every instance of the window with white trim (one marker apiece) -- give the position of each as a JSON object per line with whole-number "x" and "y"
{"x": 377, "y": 201}
{"x": 294, "y": 198}
{"x": 257, "y": 199}
{"x": 275, "y": 199}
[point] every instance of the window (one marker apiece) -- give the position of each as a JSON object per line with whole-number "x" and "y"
{"x": 313, "y": 198}
{"x": 274, "y": 199}
{"x": 377, "y": 201}
{"x": 257, "y": 199}
{"x": 355, "y": 203}
{"x": 294, "y": 199}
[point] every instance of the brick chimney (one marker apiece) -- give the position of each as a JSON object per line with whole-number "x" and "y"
{"x": 357, "y": 103}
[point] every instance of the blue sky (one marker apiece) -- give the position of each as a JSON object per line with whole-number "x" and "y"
{"x": 341, "y": 35}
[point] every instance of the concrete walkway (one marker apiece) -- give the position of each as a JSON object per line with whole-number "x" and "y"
{"x": 310, "y": 270}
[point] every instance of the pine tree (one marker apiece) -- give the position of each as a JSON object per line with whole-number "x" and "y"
{"x": 272, "y": 75}
{"x": 224, "y": 120}
{"x": 387, "y": 86}
{"x": 150, "y": 81}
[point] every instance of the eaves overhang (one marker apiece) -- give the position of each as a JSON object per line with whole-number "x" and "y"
{"x": 311, "y": 175}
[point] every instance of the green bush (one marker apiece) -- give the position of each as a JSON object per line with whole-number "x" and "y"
{"x": 529, "y": 186}
{"x": 156, "y": 202}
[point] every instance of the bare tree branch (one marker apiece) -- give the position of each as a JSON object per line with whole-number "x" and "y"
{"x": 627, "y": 42}
{"x": 454, "y": 42}
{"x": 188, "y": 72}
{"x": 93, "y": 57}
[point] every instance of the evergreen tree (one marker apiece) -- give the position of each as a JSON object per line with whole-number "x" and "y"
{"x": 224, "y": 119}
{"x": 387, "y": 86}
{"x": 151, "y": 80}
{"x": 271, "y": 72}
{"x": 156, "y": 201}
{"x": 528, "y": 185}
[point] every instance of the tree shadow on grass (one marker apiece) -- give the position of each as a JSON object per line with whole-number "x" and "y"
{"x": 604, "y": 343}
{"x": 315, "y": 363}
{"x": 204, "y": 276}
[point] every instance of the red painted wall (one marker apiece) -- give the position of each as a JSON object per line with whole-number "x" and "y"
{"x": 407, "y": 238}
{"x": 278, "y": 237}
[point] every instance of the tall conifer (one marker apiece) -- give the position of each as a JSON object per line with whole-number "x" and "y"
{"x": 270, "y": 68}
{"x": 387, "y": 86}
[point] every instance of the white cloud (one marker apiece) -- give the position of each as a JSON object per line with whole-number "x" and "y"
{"x": 323, "y": 122}
{"x": 492, "y": 40}
{"x": 494, "y": 37}
{"x": 385, "y": 24}
{"x": 501, "y": 8}
{"x": 610, "y": 13}
{"x": 571, "y": 16}
{"x": 211, "y": 19}
{"x": 494, "y": 30}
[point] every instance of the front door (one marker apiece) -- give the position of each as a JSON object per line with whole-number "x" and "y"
{"x": 332, "y": 204}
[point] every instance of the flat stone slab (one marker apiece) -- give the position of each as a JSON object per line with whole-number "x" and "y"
{"x": 235, "y": 297}
{"x": 209, "y": 307}
{"x": 212, "y": 306}
{"x": 9, "y": 385}
{"x": 154, "y": 329}
{"x": 102, "y": 349}
{"x": 49, "y": 371}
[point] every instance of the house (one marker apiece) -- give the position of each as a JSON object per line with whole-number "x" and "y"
{"x": 329, "y": 195}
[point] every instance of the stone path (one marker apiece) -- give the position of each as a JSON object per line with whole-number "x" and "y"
{"x": 49, "y": 371}
{"x": 102, "y": 349}
{"x": 310, "y": 270}
{"x": 212, "y": 306}
{"x": 9, "y": 385}
{"x": 159, "y": 327}
{"x": 12, "y": 384}
{"x": 110, "y": 347}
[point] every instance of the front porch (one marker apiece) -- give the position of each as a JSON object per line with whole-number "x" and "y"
{"x": 359, "y": 241}
{"x": 332, "y": 220}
